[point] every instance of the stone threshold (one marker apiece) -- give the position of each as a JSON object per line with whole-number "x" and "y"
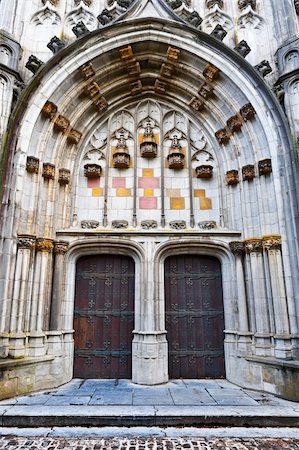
{"x": 274, "y": 362}
{"x": 24, "y": 361}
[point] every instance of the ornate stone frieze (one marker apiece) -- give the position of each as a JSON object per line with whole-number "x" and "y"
{"x": 211, "y": 3}
{"x": 61, "y": 123}
{"x": 92, "y": 170}
{"x": 74, "y": 136}
{"x": 48, "y": 171}
{"x": 248, "y": 172}
{"x": 247, "y": 112}
{"x": 244, "y": 3}
{"x": 234, "y": 123}
{"x": 263, "y": 68}
{"x": 272, "y": 242}
{"x": 121, "y": 157}
{"x": 219, "y": 32}
{"x": 87, "y": 71}
{"x": 60, "y": 247}
{"x": 178, "y": 225}
{"x": 32, "y": 164}
{"x": 207, "y": 225}
{"x": 148, "y": 147}
{"x": 194, "y": 19}
{"x": 243, "y": 48}
{"x": 119, "y": 224}
{"x": 205, "y": 90}
{"x": 232, "y": 177}
{"x": 49, "y": 109}
{"x": 265, "y": 166}
{"x": 196, "y": 104}
{"x": 80, "y": 29}
{"x": 26, "y": 241}
{"x": 105, "y": 17}
{"x": 211, "y": 72}
{"x": 44, "y": 245}
{"x": 55, "y": 44}
{"x": 64, "y": 176}
{"x": 176, "y": 158}
{"x": 223, "y": 136}
{"x": 149, "y": 224}
{"x": 204, "y": 171}
{"x": 33, "y": 64}
{"x": 237, "y": 247}
{"x": 253, "y": 245}
{"x": 90, "y": 224}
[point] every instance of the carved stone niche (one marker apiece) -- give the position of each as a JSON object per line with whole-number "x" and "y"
{"x": 244, "y": 3}
{"x": 64, "y": 176}
{"x": 48, "y": 171}
{"x": 89, "y": 224}
{"x": 234, "y": 123}
{"x": 211, "y": 72}
{"x": 176, "y": 159}
{"x": 265, "y": 166}
{"x": 121, "y": 157}
{"x": 149, "y": 224}
{"x": 32, "y": 164}
{"x": 178, "y": 225}
{"x": 49, "y": 110}
{"x": 61, "y": 123}
{"x": 247, "y": 112}
{"x": 204, "y": 171}
{"x": 207, "y": 225}
{"x": 211, "y": 3}
{"x": 263, "y": 68}
{"x": 74, "y": 136}
{"x": 92, "y": 170}
{"x": 248, "y": 172}
{"x": 148, "y": 147}
{"x": 232, "y": 177}
{"x": 222, "y": 136}
{"x": 119, "y": 224}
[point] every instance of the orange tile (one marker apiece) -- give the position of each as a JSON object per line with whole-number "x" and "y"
{"x": 177, "y": 203}
{"x": 148, "y": 192}
{"x": 205, "y": 203}
{"x": 147, "y": 173}
{"x": 201, "y": 193}
{"x": 97, "y": 192}
{"x": 122, "y": 192}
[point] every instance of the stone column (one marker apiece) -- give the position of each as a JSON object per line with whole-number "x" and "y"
{"x": 282, "y": 338}
{"x": 60, "y": 249}
{"x": 245, "y": 340}
{"x": 254, "y": 249}
{"x": 44, "y": 248}
{"x": 20, "y": 300}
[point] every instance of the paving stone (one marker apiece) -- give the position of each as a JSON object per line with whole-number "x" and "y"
{"x": 33, "y": 399}
{"x": 76, "y": 392}
{"x": 191, "y": 397}
{"x": 113, "y": 398}
{"x": 64, "y": 400}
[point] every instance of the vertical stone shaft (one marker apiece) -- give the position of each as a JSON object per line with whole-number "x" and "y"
{"x": 238, "y": 249}
{"x": 60, "y": 248}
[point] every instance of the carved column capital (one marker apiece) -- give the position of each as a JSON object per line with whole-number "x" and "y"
{"x": 253, "y": 245}
{"x": 237, "y": 247}
{"x": 272, "y": 242}
{"x": 44, "y": 245}
{"x": 26, "y": 241}
{"x": 60, "y": 247}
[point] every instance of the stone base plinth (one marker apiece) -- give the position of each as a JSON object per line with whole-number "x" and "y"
{"x": 17, "y": 345}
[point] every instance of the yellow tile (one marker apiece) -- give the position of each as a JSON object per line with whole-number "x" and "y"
{"x": 177, "y": 203}
{"x": 122, "y": 192}
{"x": 173, "y": 192}
{"x": 147, "y": 173}
{"x": 148, "y": 192}
{"x": 205, "y": 203}
{"x": 97, "y": 192}
{"x": 201, "y": 193}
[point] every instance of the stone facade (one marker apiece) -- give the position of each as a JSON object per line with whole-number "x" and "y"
{"x": 118, "y": 142}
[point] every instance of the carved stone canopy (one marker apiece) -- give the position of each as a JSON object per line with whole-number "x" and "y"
{"x": 64, "y": 176}
{"x": 176, "y": 159}
{"x": 222, "y": 136}
{"x": 234, "y": 123}
{"x": 232, "y": 177}
{"x": 49, "y": 109}
{"x": 26, "y": 241}
{"x": 265, "y": 167}
{"x": 219, "y": 32}
{"x": 33, "y": 64}
{"x": 194, "y": 19}
{"x": 32, "y": 164}
{"x": 237, "y": 247}
{"x": 205, "y": 90}
{"x": 60, "y": 247}
{"x": 178, "y": 225}
{"x": 243, "y": 48}
{"x": 48, "y": 171}
{"x": 61, "y": 123}
{"x": 92, "y": 170}
{"x": 263, "y": 68}
{"x": 55, "y": 44}
{"x": 44, "y": 245}
{"x": 253, "y": 245}
{"x": 148, "y": 147}
{"x": 248, "y": 172}
{"x": 204, "y": 171}
{"x": 247, "y": 112}
{"x": 87, "y": 71}
{"x": 196, "y": 104}
{"x": 80, "y": 29}
{"x": 74, "y": 136}
{"x": 211, "y": 72}
{"x": 272, "y": 242}
{"x": 121, "y": 157}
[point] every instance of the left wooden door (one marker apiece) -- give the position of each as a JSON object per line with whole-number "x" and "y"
{"x": 104, "y": 316}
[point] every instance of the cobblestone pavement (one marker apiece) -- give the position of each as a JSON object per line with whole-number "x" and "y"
{"x": 38, "y": 443}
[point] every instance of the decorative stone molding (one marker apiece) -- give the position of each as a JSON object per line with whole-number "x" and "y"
{"x": 44, "y": 245}
{"x": 205, "y": 90}
{"x": 92, "y": 170}
{"x": 121, "y": 157}
{"x": 100, "y": 104}
{"x": 244, "y": 3}
{"x": 92, "y": 89}
{"x": 148, "y": 147}
{"x": 48, "y": 171}
{"x": 196, "y": 104}
{"x": 55, "y": 45}
{"x": 253, "y": 245}
{"x": 160, "y": 86}
{"x": 247, "y": 112}
{"x": 60, "y": 247}
{"x": 243, "y": 48}
{"x": 234, "y": 123}
{"x": 90, "y": 224}
{"x": 263, "y": 68}
{"x": 223, "y": 136}
{"x": 126, "y": 53}
{"x": 33, "y": 64}
{"x": 237, "y": 247}
{"x": 49, "y": 109}
{"x": 87, "y": 71}
{"x": 211, "y": 72}
{"x": 194, "y": 19}
{"x": 178, "y": 225}
{"x": 166, "y": 70}
{"x": 211, "y": 3}
{"x": 271, "y": 242}
{"x": 26, "y": 241}
{"x": 74, "y": 136}
{"x": 119, "y": 224}
{"x": 204, "y": 171}
{"x": 232, "y": 177}
{"x": 61, "y": 123}
{"x": 265, "y": 167}
{"x": 207, "y": 225}
{"x": 149, "y": 224}
{"x": 219, "y": 32}
{"x": 80, "y": 29}
{"x": 32, "y": 164}
{"x": 248, "y": 172}
{"x": 176, "y": 159}
{"x": 64, "y": 176}
{"x": 136, "y": 87}
{"x": 173, "y": 54}
{"x": 105, "y": 17}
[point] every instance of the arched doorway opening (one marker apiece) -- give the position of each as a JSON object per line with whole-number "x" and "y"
{"x": 194, "y": 316}
{"x": 104, "y": 316}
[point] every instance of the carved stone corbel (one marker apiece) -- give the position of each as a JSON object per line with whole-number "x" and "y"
{"x": 26, "y": 241}
{"x": 32, "y": 164}
{"x": 60, "y": 247}
{"x": 253, "y": 245}
{"x": 272, "y": 242}
{"x": 44, "y": 245}
{"x": 237, "y": 248}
